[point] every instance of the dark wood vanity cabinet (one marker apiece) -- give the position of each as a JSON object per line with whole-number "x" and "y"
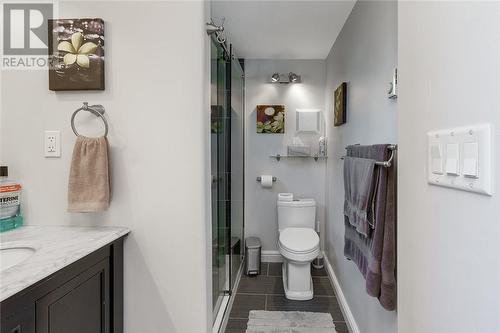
{"x": 84, "y": 297}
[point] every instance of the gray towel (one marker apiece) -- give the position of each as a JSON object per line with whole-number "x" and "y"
{"x": 359, "y": 183}
{"x": 375, "y": 255}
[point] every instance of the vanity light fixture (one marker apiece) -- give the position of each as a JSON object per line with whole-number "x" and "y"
{"x": 275, "y": 78}
{"x": 294, "y": 78}
{"x": 285, "y": 78}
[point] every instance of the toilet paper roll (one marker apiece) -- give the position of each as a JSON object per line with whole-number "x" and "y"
{"x": 266, "y": 181}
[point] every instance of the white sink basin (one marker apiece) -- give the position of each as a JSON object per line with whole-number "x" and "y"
{"x": 11, "y": 256}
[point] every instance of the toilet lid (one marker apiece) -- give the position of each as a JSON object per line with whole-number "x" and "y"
{"x": 299, "y": 239}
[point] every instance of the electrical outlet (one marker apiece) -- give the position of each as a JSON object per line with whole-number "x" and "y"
{"x": 52, "y": 144}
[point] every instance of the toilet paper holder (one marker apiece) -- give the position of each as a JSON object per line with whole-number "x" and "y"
{"x": 259, "y": 179}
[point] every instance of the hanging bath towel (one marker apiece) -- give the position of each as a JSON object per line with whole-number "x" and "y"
{"x": 89, "y": 183}
{"x": 359, "y": 184}
{"x": 375, "y": 255}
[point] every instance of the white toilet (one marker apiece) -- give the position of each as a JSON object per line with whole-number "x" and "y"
{"x": 298, "y": 244}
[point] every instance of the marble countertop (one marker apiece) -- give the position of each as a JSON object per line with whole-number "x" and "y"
{"x": 56, "y": 247}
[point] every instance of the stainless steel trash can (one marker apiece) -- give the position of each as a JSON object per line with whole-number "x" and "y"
{"x": 252, "y": 250}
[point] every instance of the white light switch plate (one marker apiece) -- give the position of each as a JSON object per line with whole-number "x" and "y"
{"x": 458, "y": 173}
{"x": 52, "y": 144}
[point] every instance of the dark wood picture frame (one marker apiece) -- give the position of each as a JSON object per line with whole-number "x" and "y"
{"x": 340, "y": 104}
{"x": 76, "y": 54}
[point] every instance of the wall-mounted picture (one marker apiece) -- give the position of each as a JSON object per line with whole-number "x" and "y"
{"x": 76, "y": 54}
{"x": 271, "y": 119}
{"x": 340, "y": 105}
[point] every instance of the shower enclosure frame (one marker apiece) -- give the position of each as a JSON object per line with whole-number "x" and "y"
{"x": 233, "y": 59}
{"x": 227, "y": 63}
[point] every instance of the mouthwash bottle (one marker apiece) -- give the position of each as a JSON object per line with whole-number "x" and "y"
{"x": 10, "y": 202}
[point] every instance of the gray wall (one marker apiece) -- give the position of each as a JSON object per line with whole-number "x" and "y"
{"x": 449, "y": 266}
{"x": 157, "y": 106}
{"x": 305, "y": 178}
{"x": 364, "y": 56}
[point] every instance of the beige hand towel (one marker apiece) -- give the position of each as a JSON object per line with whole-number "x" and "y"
{"x": 89, "y": 185}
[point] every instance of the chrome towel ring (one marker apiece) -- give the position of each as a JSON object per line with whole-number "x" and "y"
{"x": 97, "y": 109}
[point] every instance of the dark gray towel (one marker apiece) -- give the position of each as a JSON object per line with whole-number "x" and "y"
{"x": 375, "y": 255}
{"x": 358, "y": 187}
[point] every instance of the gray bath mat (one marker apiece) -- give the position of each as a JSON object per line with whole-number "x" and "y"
{"x": 289, "y": 322}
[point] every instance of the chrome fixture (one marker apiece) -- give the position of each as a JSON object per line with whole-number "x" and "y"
{"x": 213, "y": 28}
{"x": 285, "y": 78}
{"x": 294, "y": 78}
{"x": 218, "y": 30}
{"x": 392, "y": 89}
{"x": 315, "y": 157}
{"x": 388, "y": 163}
{"x": 97, "y": 110}
{"x": 259, "y": 179}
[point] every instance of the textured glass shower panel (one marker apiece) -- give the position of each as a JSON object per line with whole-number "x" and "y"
{"x": 237, "y": 165}
{"x": 227, "y": 168}
{"x": 219, "y": 186}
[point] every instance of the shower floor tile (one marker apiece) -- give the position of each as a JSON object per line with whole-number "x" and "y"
{"x": 265, "y": 292}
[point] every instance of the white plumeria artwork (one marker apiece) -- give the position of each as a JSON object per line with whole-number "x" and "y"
{"x": 76, "y": 53}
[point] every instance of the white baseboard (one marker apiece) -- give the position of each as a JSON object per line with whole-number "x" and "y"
{"x": 350, "y": 321}
{"x": 271, "y": 256}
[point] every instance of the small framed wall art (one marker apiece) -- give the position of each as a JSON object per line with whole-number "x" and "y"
{"x": 271, "y": 119}
{"x": 340, "y": 105}
{"x": 76, "y": 54}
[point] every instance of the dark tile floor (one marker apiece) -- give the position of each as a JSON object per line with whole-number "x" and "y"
{"x": 265, "y": 292}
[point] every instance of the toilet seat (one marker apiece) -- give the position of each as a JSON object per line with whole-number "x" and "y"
{"x": 299, "y": 244}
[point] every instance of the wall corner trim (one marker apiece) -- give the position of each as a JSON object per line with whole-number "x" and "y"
{"x": 344, "y": 306}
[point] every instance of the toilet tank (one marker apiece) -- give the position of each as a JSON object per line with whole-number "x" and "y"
{"x": 296, "y": 214}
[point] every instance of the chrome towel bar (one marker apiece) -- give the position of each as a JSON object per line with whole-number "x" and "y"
{"x": 388, "y": 163}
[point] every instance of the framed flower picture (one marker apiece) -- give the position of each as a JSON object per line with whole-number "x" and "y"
{"x": 271, "y": 119}
{"x": 340, "y": 105}
{"x": 76, "y": 54}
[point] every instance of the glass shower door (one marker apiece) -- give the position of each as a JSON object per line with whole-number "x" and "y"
{"x": 219, "y": 166}
{"x": 227, "y": 168}
{"x": 237, "y": 100}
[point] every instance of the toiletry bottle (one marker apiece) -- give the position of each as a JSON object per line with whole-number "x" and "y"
{"x": 10, "y": 202}
{"x": 322, "y": 147}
